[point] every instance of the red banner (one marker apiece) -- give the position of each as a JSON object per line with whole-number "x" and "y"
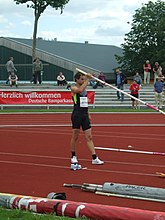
{"x": 40, "y": 97}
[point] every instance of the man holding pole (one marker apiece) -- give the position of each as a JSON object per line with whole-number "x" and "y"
{"x": 80, "y": 118}
{"x": 113, "y": 87}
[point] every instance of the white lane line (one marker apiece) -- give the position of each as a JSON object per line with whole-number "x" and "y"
{"x": 95, "y": 132}
{"x": 66, "y": 158}
{"x": 129, "y": 125}
{"x": 66, "y": 167}
{"x": 69, "y": 112}
{"x": 35, "y": 125}
{"x": 94, "y": 125}
{"x": 44, "y": 113}
{"x": 39, "y": 132}
{"x": 120, "y": 136}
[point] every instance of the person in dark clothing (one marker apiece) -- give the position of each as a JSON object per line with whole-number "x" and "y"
{"x": 137, "y": 78}
{"x": 158, "y": 88}
{"x": 119, "y": 82}
{"x": 80, "y": 118}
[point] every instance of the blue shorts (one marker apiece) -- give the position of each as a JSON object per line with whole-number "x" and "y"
{"x": 80, "y": 119}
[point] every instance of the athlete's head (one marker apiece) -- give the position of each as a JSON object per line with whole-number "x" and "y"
{"x": 79, "y": 78}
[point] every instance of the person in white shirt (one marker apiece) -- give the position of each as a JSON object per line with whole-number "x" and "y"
{"x": 147, "y": 72}
{"x": 61, "y": 81}
{"x": 13, "y": 79}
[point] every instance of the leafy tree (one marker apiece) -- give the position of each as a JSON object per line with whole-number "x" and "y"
{"x": 39, "y": 7}
{"x": 146, "y": 39}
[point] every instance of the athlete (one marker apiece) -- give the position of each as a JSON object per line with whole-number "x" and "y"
{"x": 80, "y": 118}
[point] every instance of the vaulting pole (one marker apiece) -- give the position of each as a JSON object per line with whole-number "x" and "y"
{"x": 130, "y": 151}
{"x": 125, "y": 93}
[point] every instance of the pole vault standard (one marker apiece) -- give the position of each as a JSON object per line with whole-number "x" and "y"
{"x": 127, "y": 94}
{"x": 130, "y": 151}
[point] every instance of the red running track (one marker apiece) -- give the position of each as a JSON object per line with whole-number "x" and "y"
{"x": 35, "y": 155}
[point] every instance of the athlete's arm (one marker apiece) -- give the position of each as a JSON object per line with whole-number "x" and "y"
{"x": 75, "y": 89}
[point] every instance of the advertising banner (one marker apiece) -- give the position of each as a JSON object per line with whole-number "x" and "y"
{"x": 40, "y": 97}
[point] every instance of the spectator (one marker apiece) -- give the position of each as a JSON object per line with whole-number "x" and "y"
{"x": 161, "y": 76}
{"x": 37, "y": 68}
{"x": 158, "y": 88}
{"x": 10, "y": 68}
{"x": 13, "y": 79}
{"x": 137, "y": 78}
{"x": 119, "y": 82}
{"x": 101, "y": 77}
{"x": 93, "y": 82}
{"x": 147, "y": 72}
{"x": 134, "y": 88}
{"x": 61, "y": 81}
{"x": 157, "y": 69}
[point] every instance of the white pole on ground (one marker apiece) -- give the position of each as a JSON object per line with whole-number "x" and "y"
{"x": 129, "y": 197}
{"x": 130, "y": 151}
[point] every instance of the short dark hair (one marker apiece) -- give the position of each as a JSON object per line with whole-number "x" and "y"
{"x": 77, "y": 76}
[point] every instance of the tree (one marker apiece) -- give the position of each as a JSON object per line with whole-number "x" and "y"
{"x": 146, "y": 39}
{"x": 39, "y": 7}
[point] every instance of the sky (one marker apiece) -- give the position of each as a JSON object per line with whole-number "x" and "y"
{"x": 102, "y": 22}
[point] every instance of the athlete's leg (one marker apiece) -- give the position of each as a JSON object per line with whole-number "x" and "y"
{"x": 90, "y": 144}
{"x": 74, "y": 138}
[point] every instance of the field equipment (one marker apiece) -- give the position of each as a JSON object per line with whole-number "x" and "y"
{"x": 130, "y": 151}
{"x": 123, "y": 191}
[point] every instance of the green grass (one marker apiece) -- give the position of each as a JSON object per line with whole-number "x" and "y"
{"x": 69, "y": 110}
{"x": 15, "y": 214}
